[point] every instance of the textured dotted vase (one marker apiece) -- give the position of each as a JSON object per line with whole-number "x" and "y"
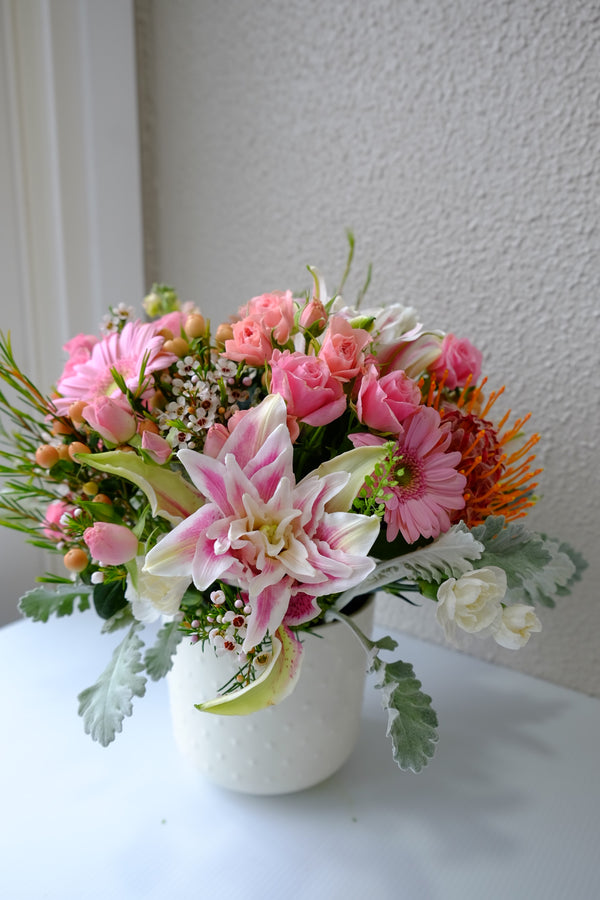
{"x": 294, "y": 745}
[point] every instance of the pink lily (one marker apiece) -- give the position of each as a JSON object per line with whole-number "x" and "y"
{"x": 264, "y": 533}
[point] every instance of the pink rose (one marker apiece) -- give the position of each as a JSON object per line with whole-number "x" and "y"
{"x": 157, "y": 448}
{"x": 383, "y": 403}
{"x": 275, "y": 312}
{"x": 314, "y": 313}
{"x": 112, "y": 419}
{"x": 342, "y": 348}
{"x": 54, "y": 529}
{"x": 250, "y": 343}
{"x": 109, "y": 544}
{"x": 311, "y": 392}
{"x": 459, "y": 358}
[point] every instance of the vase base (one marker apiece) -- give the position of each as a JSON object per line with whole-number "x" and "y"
{"x": 285, "y": 748}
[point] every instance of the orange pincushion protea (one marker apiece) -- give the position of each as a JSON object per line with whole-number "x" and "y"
{"x": 499, "y": 483}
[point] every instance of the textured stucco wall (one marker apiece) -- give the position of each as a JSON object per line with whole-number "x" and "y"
{"x": 459, "y": 140}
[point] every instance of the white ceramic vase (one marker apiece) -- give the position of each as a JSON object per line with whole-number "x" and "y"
{"x": 294, "y": 745}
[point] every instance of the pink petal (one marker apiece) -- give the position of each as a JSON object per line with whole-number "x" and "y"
{"x": 268, "y": 610}
{"x": 208, "y": 476}
{"x": 254, "y": 429}
{"x": 301, "y": 608}
{"x": 175, "y": 554}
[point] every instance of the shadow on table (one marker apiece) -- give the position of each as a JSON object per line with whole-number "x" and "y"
{"x": 490, "y": 752}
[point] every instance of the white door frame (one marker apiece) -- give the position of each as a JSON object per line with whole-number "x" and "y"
{"x": 70, "y": 193}
{"x": 69, "y": 69}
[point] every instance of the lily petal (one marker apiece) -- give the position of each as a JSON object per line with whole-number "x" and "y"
{"x": 254, "y": 429}
{"x": 274, "y": 685}
{"x": 169, "y": 495}
{"x": 359, "y": 463}
{"x": 186, "y": 551}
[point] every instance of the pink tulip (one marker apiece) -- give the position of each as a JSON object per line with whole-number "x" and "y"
{"x": 54, "y": 512}
{"x": 113, "y": 420}
{"x": 109, "y": 544}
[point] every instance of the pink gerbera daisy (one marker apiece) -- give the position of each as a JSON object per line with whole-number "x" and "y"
{"x": 137, "y": 346}
{"x": 428, "y": 485}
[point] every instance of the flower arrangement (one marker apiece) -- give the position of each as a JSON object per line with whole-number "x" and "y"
{"x": 242, "y": 485}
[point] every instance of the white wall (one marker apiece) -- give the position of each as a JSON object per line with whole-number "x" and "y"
{"x": 459, "y": 139}
{"x": 70, "y": 198}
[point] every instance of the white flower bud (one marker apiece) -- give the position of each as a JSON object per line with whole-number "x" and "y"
{"x": 516, "y": 626}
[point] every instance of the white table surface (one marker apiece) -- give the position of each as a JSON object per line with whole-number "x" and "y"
{"x": 508, "y": 808}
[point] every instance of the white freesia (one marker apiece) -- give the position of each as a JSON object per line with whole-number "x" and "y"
{"x": 152, "y": 595}
{"x": 473, "y": 602}
{"x": 516, "y": 626}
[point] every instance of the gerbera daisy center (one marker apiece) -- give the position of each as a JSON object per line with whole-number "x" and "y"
{"x": 407, "y": 474}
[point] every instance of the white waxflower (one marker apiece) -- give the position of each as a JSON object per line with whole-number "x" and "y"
{"x": 154, "y": 595}
{"x": 473, "y": 602}
{"x": 516, "y": 626}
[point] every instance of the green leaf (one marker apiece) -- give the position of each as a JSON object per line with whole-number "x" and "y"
{"x": 40, "y": 603}
{"x": 121, "y": 619}
{"x": 579, "y": 563}
{"x": 105, "y": 704}
{"x": 386, "y": 643}
{"x": 412, "y": 721}
{"x": 109, "y": 599}
{"x": 537, "y": 568}
{"x": 450, "y": 555}
{"x": 159, "y": 658}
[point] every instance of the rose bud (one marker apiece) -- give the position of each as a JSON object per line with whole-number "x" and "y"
{"x": 110, "y": 544}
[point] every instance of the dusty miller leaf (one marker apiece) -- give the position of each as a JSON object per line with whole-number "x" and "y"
{"x": 105, "y": 704}
{"x": 580, "y": 565}
{"x": 159, "y": 658}
{"x": 41, "y": 602}
{"x": 121, "y": 619}
{"x": 537, "y": 568}
{"x": 448, "y": 555}
{"x": 412, "y": 721}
